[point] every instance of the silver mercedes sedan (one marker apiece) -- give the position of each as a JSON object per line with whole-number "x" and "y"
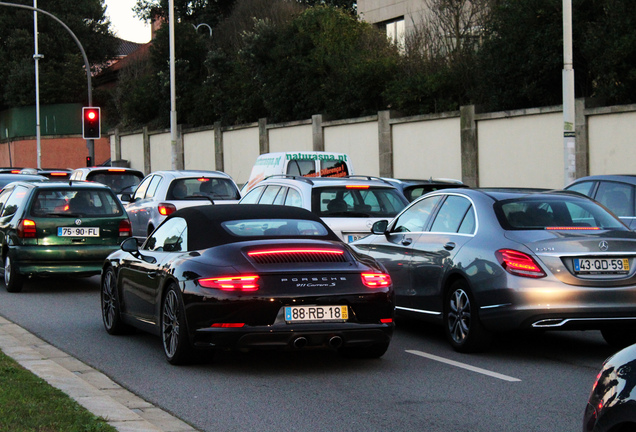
{"x": 486, "y": 261}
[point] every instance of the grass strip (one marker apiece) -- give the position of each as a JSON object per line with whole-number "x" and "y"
{"x": 30, "y": 404}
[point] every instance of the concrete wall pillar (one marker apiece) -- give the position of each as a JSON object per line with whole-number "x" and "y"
{"x": 117, "y": 141}
{"x": 582, "y": 144}
{"x": 218, "y": 147}
{"x": 469, "y": 146}
{"x": 263, "y": 136}
{"x": 317, "y": 133}
{"x": 180, "y": 156}
{"x": 385, "y": 144}
{"x": 146, "y": 138}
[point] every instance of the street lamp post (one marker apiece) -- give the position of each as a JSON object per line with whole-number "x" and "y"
{"x": 37, "y": 56}
{"x": 173, "y": 92}
{"x": 569, "y": 135}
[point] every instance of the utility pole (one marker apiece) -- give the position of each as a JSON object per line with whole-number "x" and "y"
{"x": 173, "y": 92}
{"x": 37, "y": 56}
{"x": 569, "y": 136}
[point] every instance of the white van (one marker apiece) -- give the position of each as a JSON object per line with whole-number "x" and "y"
{"x": 306, "y": 164}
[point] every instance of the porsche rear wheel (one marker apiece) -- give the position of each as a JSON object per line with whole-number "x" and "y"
{"x": 111, "y": 310}
{"x": 462, "y": 326}
{"x": 12, "y": 279}
{"x": 174, "y": 332}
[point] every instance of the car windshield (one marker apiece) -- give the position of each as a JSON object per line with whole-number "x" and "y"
{"x": 74, "y": 203}
{"x": 274, "y": 228}
{"x": 203, "y": 188}
{"x": 561, "y": 213}
{"x": 357, "y": 201}
{"x": 119, "y": 181}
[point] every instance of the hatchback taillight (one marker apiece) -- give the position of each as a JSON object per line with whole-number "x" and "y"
{"x": 519, "y": 263}
{"x": 125, "y": 229}
{"x": 166, "y": 209}
{"x": 231, "y": 283}
{"x": 26, "y": 229}
{"x": 376, "y": 280}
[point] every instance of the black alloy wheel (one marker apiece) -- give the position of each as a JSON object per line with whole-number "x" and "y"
{"x": 174, "y": 332}
{"x": 463, "y": 329}
{"x": 13, "y": 281}
{"x": 111, "y": 311}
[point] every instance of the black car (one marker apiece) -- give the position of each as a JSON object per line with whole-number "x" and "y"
{"x": 6, "y": 178}
{"x": 248, "y": 277}
{"x": 616, "y": 192}
{"x": 415, "y": 188}
{"x": 612, "y": 403}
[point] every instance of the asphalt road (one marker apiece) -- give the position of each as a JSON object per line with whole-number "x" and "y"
{"x": 529, "y": 382}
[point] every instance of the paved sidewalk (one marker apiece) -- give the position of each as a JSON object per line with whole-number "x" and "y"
{"x": 90, "y": 388}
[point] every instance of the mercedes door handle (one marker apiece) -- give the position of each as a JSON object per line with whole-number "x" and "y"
{"x": 407, "y": 241}
{"x": 450, "y": 246}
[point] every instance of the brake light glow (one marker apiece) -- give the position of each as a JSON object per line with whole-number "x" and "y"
{"x": 292, "y": 251}
{"x": 519, "y": 263}
{"x": 125, "y": 229}
{"x": 571, "y": 228}
{"x": 357, "y": 186}
{"x": 228, "y": 325}
{"x": 59, "y": 174}
{"x": 116, "y": 170}
{"x": 231, "y": 283}
{"x": 203, "y": 179}
{"x": 386, "y": 320}
{"x": 376, "y": 280}
{"x": 26, "y": 229}
{"x": 166, "y": 209}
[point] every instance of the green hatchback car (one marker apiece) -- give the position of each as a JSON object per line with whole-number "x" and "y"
{"x": 50, "y": 229}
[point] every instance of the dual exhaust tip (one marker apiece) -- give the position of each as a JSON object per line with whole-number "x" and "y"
{"x": 301, "y": 342}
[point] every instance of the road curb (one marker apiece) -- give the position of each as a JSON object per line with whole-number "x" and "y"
{"x": 103, "y": 397}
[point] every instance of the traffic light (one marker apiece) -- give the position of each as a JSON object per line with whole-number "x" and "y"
{"x": 89, "y": 161}
{"x": 91, "y": 127}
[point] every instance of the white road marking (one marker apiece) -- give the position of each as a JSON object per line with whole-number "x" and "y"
{"x": 463, "y": 366}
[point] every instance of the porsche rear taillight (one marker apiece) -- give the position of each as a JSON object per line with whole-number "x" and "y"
{"x": 26, "y": 229}
{"x": 166, "y": 209}
{"x": 228, "y": 325}
{"x": 519, "y": 263}
{"x": 125, "y": 229}
{"x": 231, "y": 283}
{"x": 376, "y": 280}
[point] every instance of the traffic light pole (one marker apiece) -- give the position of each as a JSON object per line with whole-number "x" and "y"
{"x": 90, "y": 144}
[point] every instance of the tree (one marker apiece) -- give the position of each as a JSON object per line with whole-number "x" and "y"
{"x": 62, "y": 74}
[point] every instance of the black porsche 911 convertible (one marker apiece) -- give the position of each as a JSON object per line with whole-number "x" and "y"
{"x": 248, "y": 277}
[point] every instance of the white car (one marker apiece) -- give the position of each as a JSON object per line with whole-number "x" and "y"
{"x": 121, "y": 180}
{"x": 349, "y": 205}
{"x": 163, "y": 192}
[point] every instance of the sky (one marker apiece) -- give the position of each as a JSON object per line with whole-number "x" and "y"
{"x": 124, "y": 23}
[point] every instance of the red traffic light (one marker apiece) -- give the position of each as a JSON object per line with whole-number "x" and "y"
{"x": 91, "y": 124}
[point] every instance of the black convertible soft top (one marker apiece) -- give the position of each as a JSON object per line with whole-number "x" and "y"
{"x": 204, "y": 222}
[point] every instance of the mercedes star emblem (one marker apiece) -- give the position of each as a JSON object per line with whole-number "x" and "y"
{"x": 603, "y": 246}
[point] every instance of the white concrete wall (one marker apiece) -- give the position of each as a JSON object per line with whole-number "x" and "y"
{"x": 358, "y": 140}
{"x": 160, "y": 151}
{"x": 240, "y": 150}
{"x": 132, "y": 149}
{"x": 292, "y": 138}
{"x": 611, "y": 143}
{"x": 198, "y": 150}
{"x": 524, "y": 151}
{"x": 427, "y": 149}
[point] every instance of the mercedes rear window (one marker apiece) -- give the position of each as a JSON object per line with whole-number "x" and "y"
{"x": 75, "y": 203}
{"x": 563, "y": 213}
{"x": 275, "y": 228}
{"x": 357, "y": 201}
